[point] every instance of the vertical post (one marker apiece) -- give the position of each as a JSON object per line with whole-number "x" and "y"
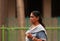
{"x": 8, "y": 35}
{"x": 2, "y": 33}
{"x": 47, "y": 16}
{"x": 47, "y": 12}
{"x": 0, "y": 19}
{"x": 48, "y": 19}
{"x": 21, "y": 19}
{"x": 0, "y": 13}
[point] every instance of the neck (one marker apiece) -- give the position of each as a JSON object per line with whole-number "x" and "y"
{"x": 36, "y": 23}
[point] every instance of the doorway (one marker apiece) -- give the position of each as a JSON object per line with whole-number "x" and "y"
{"x": 31, "y": 5}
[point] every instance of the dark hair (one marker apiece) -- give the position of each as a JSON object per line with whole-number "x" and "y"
{"x": 38, "y": 14}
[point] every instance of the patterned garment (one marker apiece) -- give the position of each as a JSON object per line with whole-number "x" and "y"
{"x": 38, "y": 32}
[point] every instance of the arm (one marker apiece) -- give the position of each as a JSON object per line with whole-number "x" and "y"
{"x": 29, "y": 35}
{"x": 40, "y": 36}
{"x": 35, "y": 39}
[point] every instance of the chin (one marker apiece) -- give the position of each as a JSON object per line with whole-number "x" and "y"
{"x": 32, "y": 22}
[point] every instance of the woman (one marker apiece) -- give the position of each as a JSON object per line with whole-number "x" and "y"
{"x": 36, "y": 31}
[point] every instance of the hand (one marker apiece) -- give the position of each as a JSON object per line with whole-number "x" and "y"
{"x": 29, "y": 35}
{"x": 35, "y": 39}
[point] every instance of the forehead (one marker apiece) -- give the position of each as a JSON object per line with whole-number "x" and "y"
{"x": 31, "y": 14}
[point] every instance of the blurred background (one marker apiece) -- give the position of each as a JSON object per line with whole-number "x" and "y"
{"x": 15, "y": 13}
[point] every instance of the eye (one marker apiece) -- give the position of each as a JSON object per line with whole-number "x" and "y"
{"x": 31, "y": 16}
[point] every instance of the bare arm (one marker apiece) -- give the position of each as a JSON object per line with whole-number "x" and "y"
{"x": 40, "y": 36}
{"x": 35, "y": 39}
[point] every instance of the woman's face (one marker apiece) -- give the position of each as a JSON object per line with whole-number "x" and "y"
{"x": 33, "y": 18}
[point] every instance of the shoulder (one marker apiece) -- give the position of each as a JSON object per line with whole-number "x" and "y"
{"x": 40, "y": 27}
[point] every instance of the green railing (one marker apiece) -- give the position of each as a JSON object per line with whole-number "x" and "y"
{"x": 21, "y": 28}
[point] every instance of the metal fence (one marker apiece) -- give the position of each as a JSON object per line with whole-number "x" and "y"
{"x": 11, "y": 34}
